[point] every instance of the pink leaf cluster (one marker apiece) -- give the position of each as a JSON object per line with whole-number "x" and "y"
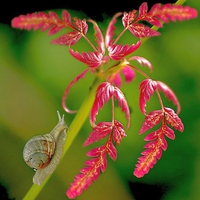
{"x": 98, "y": 155}
{"x": 104, "y": 49}
{"x": 157, "y": 141}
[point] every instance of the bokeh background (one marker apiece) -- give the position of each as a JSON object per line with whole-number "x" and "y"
{"x": 33, "y": 77}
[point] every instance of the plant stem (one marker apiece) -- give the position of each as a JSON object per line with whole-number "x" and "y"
{"x": 74, "y": 128}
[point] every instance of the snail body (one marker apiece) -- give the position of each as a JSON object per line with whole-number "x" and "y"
{"x": 43, "y": 152}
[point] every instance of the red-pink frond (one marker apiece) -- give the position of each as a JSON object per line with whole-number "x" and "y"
{"x": 99, "y": 37}
{"x": 171, "y": 12}
{"x": 153, "y": 150}
{"x": 110, "y": 30}
{"x": 142, "y": 61}
{"x": 100, "y": 131}
{"x": 104, "y": 92}
{"x": 118, "y": 52}
{"x": 84, "y": 180}
{"x": 90, "y": 173}
{"x": 92, "y": 59}
{"x": 151, "y": 120}
{"x": 129, "y": 74}
{"x": 123, "y": 104}
{"x": 81, "y": 25}
{"x": 41, "y": 21}
{"x": 173, "y": 119}
{"x": 142, "y": 31}
{"x": 118, "y": 132}
{"x": 147, "y": 89}
{"x": 68, "y": 39}
{"x": 147, "y": 161}
{"x": 169, "y": 94}
{"x": 64, "y": 97}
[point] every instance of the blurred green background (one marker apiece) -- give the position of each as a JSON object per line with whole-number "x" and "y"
{"x": 33, "y": 77}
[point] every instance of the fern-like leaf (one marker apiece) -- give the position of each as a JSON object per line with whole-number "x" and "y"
{"x": 43, "y": 21}
{"x": 147, "y": 89}
{"x": 94, "y": 167}
{"x": 153, "y": 150}
{"x": 156, "y": 16}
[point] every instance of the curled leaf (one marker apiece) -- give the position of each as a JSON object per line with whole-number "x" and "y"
{"x": 64, "y": 97}
{"x": 92, "y": 59}
{"x": 104, "y": 92}
{"x": 118, "y": 52}
{"x": 147, "y": 89}
{"x": 169, "y": 94}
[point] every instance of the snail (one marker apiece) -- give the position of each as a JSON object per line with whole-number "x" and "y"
{"x": 43, "y": 152}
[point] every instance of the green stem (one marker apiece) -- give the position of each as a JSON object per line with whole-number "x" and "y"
{"x": 74, "y": 128}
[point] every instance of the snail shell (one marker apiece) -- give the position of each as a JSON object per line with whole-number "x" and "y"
{"x": 43, "y": 152}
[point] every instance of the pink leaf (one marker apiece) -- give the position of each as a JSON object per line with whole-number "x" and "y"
{"x": 169, "y": 93}
{"x": 96, "y": 152}
{"x": 42, "y": 21}
{"x": 142, "y": 31}
{"x": 153, "y": 150}
{"x": 81, "y": 25}
{"x": 172, "y": 12}
{"x": 104, "y": 92}
{"x": 110, "y": 30}
{"x": 142, "y": 61}
{"x": 173, "y": 119}
{"x": 152, "y": 153}
{"x": 151, "y": 120}
{"x": 122, "y": 103}
{"x": 118, "y": 132}
{"x": 128, "y": 73}
{"x": 82, "y": 75}
{"x": 68, "y": 39}
{"x": 128, "y": 18}
{"x": 115, "y": 78}
{"x": 143, "y": 9}
{"x": 99, "y": 37}
{"x": 118, "y": 52}
{"x": 92, "y": 170}
{"x": 100, "y": 131}
{"x": 112, "y": 152}
{"x": 92, "y": 59}
{"x": 147, "y": 89}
